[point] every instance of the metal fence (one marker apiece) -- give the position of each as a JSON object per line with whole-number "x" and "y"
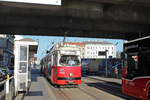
{"x": 7, "y": 89}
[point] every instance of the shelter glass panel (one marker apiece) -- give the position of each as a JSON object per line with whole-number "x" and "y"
{"x": 23, "y": 53}
{"x": 23, "y": 67}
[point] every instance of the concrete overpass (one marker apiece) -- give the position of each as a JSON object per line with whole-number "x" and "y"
{"x": 119, "y": 19}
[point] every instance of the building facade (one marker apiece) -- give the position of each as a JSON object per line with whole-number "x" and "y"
{"x": 92, "y": 49}
{"x": 6, "y": 50}
{"x": 78, "y": 45}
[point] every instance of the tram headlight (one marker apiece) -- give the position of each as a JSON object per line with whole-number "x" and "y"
{"x": 70, "y": 74}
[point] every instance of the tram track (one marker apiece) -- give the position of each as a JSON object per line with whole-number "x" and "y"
{"x": 106, "y": 83}
{"x": 66, "y": 97}
{"x": 59, "y": 93}
{"x": 107, "y": 87}
{"x": 112, "y": 84}
{"x": 88, "y": 93}
{"x": 88, "y": 90}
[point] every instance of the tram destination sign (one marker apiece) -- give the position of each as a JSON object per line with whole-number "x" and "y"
{"x": 47, "y": 2}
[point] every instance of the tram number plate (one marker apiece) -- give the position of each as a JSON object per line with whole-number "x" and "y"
{"x": 70, "y": 82}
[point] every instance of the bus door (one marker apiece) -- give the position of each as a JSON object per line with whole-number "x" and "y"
{"x": 132, "y": 73}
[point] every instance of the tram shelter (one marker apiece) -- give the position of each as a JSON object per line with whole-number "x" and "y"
{"x": 24, "y": 51}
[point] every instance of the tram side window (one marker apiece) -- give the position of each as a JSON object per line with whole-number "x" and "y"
{"x": 55, "y": 60}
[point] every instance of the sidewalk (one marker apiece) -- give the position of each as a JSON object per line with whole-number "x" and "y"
{"x": 39, "y": 90}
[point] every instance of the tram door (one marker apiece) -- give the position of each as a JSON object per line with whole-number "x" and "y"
{"x": 23, "y": 68}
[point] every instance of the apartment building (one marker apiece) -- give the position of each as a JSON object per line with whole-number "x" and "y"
{"x": 92, "y": 49}
{"x": 6, "y": 50}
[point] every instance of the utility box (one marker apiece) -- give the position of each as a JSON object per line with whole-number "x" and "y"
{"x": 24, "y": 51}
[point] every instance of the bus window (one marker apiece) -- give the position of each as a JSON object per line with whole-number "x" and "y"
{"x": 145, "y": 62}
{"x": 132, "y": 65}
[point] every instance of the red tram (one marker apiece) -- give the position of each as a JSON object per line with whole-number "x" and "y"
{"x": 62, "y": 65}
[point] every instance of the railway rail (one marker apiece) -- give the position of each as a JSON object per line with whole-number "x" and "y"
{"x": 58, "y": 92}
{"x": 90, "y": 88}
{"x": 89, "y": 93}
{"x": 108, "y": 87}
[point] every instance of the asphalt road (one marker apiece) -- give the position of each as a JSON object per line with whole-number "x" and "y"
{"x": 90, "y": 89}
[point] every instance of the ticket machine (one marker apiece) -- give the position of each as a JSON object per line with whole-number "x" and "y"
{"x": 24, "y": 51}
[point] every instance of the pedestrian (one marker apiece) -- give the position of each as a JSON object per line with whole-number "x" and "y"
{"x": 71, "y": 62}
{"x": 116, "y": 72}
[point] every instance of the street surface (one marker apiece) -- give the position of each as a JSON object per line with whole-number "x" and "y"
{"x": 90, "y": 89}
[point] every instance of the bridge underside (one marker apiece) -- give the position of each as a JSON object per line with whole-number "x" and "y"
{"x": 113, "y": 19}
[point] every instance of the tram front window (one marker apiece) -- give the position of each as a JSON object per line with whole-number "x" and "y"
{"x": 69, "y": 60}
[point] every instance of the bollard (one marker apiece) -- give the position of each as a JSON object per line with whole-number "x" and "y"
{"x": 7, "y": 89}
{"x": 7, "y": 85}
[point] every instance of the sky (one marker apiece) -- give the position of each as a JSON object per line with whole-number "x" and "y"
{"x": 46, "y": 42}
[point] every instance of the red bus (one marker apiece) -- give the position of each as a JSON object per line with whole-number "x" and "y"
{"x": 62, "y": 65}
{"x": 136, "y": 68}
